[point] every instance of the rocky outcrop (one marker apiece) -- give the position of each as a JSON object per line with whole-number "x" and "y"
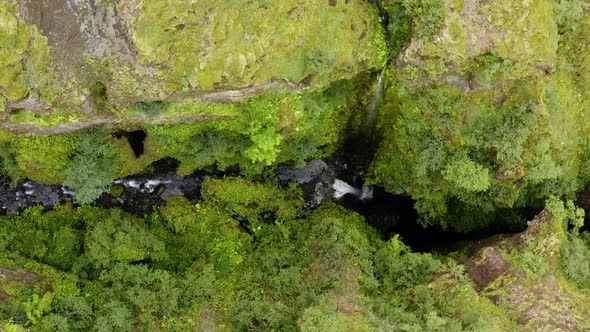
{"x": 520, "y": 272}
{"x": 315, "y": 179}
{"x": 124, "y": 52}
{"x": 522, "y": 36}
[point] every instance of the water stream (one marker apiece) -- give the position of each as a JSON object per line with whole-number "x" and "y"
{"x": 376, "y": 101}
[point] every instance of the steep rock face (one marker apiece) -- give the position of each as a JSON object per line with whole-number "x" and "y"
{"x": 211, "y": 83}
{"x": 520, "y": 272}
{"x": 487, "y": 112}
{"x": 134, "y": 51}
{"x": 522, "y": 34}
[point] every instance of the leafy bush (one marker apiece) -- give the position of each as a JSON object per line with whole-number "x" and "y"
{"x": 261, "y": 316}
{"x": 427, "y": 17}
{"x": 467, "y": 175}
{"x": 250, "y": 199}
{"x": 575, "y": 259}
{"x": 397, "y": 267}
{"x": 91, "y": 168}
{"x": 116, "y": 237}
{"x": 323, "y": 317}
{"x": 51, "y": 238}
{"x": 568, "y": 12}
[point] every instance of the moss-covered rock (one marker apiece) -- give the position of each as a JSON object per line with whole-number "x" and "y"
{"x": 487, "y": 114}
{"x": 520, "y": 273}
{"x": 522, "y": 36}
{"x": 142, "y": 51}
{"x": 24, "y": 63}
{"x": 212, "y": 45}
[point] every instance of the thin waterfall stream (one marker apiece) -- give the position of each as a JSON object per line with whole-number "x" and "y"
{"x": 360, "y": 149}
{"x": 376, "y": 102}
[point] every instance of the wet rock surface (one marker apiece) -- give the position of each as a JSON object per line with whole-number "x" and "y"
{"x": 315, "y": 179}
{"x": 135, "y": 194}
{"x": 140, "y": 194}
{"x": 16, "y": 197}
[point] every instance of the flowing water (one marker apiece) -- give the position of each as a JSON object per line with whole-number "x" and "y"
{"x": 376, "y": 102}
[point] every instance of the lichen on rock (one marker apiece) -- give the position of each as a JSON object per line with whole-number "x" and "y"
{"x": 522, "y": 34}
{"x": 210, "y": 45}
{"x": 520, "y": 272}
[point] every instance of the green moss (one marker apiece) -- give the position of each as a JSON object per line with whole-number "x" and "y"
{"x": 250, "y": 199}
{"x": 14, "y": 36}
{"x": 24, "y": 60}
{"x": 44, "y": 158}
{"x": 522, "y": 41}
{"x": 527, "y": 50}
{"x": 238, "y": 45}
{"x": 179, "y": 214}
{"x": 117, "y": 190}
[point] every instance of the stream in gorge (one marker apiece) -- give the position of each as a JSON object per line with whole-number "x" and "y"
{"x": 389, "y": 214}
{"x": 340, "y": 178}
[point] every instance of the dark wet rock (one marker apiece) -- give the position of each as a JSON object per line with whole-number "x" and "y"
{"x": 136, "y": 194}
{"x": 16, "y": 197}
{"x": 141, "y": 194}
{"x": 315, "y": 179}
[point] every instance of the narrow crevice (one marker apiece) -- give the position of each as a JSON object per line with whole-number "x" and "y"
{"x": 164, "y": 165}
{"x": 135, "y": 139}
{"x": 384, "y": 18}
{"x": 393, "y": 214}
{"x": 99, "y": 95}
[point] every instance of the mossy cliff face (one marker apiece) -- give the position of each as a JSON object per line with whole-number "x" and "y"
{"x": 246, "y": 83}
{"x": 110, "y": 54}
{"x": 212, "y": 45}
{"x": 521, "y": 35}
{"x": 24, "y": 57}
{"x": 489, "y": 112}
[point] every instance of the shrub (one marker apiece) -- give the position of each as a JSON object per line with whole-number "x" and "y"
{"x": 575, "y": 259}
{"x": 91, "y": 168}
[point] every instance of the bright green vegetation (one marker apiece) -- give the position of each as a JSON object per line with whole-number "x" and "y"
{"x": 253, "y": 134}
{"x": 575, "y": 249}
{"x": 209, "y": 44}
{"x": 191, "y": 266}
{"x": 476, "y": 125}
{"x": 24, "y": 60}
{"x": 484, "y": 116}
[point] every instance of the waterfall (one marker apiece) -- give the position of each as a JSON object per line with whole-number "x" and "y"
{"x": 375, "y": 103}
{"x": 342, "y": 188}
